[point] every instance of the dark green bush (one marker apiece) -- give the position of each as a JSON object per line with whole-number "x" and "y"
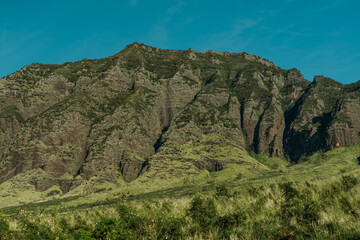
{"x": 34, "y": 230}
{"x": 82, "y": 234}
{"x": 299, "y": 214}
{"x": 347, "y": 207}
{"x": 289, "y": 192}
{"x": 105, "y": 228}
{"x": 129, "y": 216}
{"x": 81, "y": 223}
{"x": 53, "y": 192}
{"x": 203, "y": 212}
{"x": 263, "y": 229}
{"x": 130, "y": 224}
{"x": 222, "y": 190}
{"x": 4, "y": 228}
{"x": 227, "y": 223}
{"x": 348, "y": 182}
{"x": 253, "y": 191}
{"x": 170, "y": 228}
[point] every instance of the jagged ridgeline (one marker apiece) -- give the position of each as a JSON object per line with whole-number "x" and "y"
{"x": 147, "y": 113}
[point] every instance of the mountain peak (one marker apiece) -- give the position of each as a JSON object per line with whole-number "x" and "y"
{"x": 128, "y": 112}
{"x": 322, "y": 80}
{"x": 137, "y": 45}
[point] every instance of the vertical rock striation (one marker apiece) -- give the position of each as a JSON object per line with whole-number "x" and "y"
{"x": 146, "y": 111}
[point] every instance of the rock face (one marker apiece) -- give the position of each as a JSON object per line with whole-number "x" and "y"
{"x": 146, "y": 111}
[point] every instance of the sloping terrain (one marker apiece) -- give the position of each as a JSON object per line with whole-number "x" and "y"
{"x": 315, "y": 199}
{"x": 146, "y": 115}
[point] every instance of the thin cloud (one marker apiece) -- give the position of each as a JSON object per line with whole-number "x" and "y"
{"x": 171, "y": 12}
{"x": 228, "y": 38}
{"x": 158, "y": 33}
{"x": 134, "y": 2}
{"x": 331, "y": 5}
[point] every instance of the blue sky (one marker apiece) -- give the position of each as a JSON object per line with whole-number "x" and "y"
{"x": 317, "y": 37}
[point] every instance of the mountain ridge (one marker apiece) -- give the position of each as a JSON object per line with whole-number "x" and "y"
{"x": 146, "y": 113}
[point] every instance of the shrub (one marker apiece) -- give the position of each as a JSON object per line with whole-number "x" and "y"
{"x": 289, "y": 192}
{"x": 80, "y": 223}
{"x": 82, "y": 234}
{"x": 348, "y": 182}
{"x": 309, "y": 213}
{"x": 222, "y": 190}
{"x": 346, "y": 206}
{"x": 203, "y": 212}
{"x": 227, "y": 223}
{"x": 105, "y": 228}
{"x": 4, "y": 228}
{"x": 53, "y": 192}
{"x": 253, "y": 191}
{"x": 170, "y": 228}
{"x": 34, "y": 230}
{"x": 130, "y": 224}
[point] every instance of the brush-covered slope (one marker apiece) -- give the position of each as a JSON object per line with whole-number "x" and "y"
{"x": 146, "y": 114}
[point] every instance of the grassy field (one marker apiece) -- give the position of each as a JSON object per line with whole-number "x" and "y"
{"x": 315, "y": 199}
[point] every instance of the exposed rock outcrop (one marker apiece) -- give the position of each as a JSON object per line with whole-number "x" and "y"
{"x": 152, "y": 112}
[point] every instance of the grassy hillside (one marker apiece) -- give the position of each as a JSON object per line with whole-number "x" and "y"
{"x": 317, "y": 199}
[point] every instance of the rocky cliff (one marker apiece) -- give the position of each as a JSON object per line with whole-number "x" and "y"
{"x": 146, "y": 112}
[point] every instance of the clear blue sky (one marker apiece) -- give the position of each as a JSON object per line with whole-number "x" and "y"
{"x": 318, "y": 37}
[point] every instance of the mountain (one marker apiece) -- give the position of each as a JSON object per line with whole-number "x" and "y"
{"x": 146, "y": 114}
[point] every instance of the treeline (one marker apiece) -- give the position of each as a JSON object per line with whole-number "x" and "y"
{"x": 288, "y": 210}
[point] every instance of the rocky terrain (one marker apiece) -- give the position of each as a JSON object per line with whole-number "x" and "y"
{"x": 146, "y": 113}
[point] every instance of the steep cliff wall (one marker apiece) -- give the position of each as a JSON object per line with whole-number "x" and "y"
{"x": 146, "y": 111}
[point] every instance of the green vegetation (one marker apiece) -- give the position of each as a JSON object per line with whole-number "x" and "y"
{"x": 86, "y": 67}
{"x": 316, "y": 199}
{"x": 25, "y": 79}
{"x": 323, "y": 95}
{"x": 272, "y": 162}
{"x": 284, "y": 210}
{"x": 175, "y": 124}
{"x": 10, "y": 111}
{"x": 342, "y": 118}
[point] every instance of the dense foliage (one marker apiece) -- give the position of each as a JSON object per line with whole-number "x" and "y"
{"x": 287, "y": 210}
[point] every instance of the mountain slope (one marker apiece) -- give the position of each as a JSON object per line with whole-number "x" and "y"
{"x": 147, "y": 114}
